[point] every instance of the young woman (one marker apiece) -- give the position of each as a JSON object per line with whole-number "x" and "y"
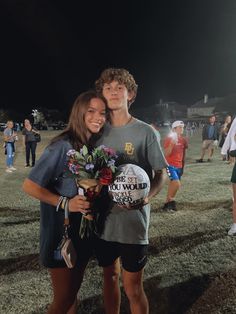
{"x": 10, "y": 136}
{"x": 47, "y": 183}
{"x": 29, "y": 142}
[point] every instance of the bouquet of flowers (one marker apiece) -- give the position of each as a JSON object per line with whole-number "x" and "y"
{"x": 91, "y": 170}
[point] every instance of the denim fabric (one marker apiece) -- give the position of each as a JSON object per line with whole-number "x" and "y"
{"x": 10, "y": 154}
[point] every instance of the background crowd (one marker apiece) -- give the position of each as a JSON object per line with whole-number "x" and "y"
{"x": 30, "y": 138}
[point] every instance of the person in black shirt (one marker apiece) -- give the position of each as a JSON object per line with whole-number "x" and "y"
{"x": 29, "y": 142}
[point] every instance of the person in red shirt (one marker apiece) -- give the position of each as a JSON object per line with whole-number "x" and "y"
{"x": 174, "y": 147}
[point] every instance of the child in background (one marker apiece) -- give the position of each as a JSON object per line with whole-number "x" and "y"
{"x": 174, "y": 147}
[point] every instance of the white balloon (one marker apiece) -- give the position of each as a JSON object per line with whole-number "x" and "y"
{"x": 131, "y": 186}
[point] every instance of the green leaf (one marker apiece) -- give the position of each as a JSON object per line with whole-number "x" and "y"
{"x": 85, "y": 150}
{"x": 96, "y": 175}
{"x": 84, "y": 175}
{"x": 77, "y": 155}
{"x": 89, "y": 159}
{"x": 113, "y": 169}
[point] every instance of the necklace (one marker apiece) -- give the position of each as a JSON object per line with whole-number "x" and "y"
{"x": 119, "y": 123}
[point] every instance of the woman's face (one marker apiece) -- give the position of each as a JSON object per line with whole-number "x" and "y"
{"x": 27, "y": 122}
{"x": 10, "y": 124}
{"x": 228, "y": 119}
{"x": 95, "y": 115}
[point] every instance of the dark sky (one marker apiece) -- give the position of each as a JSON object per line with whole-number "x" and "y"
{"x": 177, "y": 50}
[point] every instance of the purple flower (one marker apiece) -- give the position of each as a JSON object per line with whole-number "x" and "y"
{"x": 108, "y": 150}
{"x": 110, "y": 162}
{"x": 89, "y": 166}
{"x": 71, "y": 152}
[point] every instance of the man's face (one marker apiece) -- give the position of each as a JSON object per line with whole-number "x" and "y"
{"x": 212, "y": 119}
{"x": 117, "y": 95}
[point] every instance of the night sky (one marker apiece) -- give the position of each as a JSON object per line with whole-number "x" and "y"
{"x": 177, "y": 50}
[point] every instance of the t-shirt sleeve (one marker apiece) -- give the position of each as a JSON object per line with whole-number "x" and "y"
{"x": 155, "y": 154}
{"x": 50, "y": 165}
{"x": 5, "y": 132}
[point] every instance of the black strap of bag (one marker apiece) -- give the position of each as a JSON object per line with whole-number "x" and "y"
{"x": 66, "y": 220}
{"x": 67, "y": 249}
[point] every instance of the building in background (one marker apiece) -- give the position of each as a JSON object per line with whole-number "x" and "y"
{"x": 220, "y": 106}
{"x": 162, "y": 113}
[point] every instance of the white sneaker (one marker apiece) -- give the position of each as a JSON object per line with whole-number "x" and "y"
{"x": 8, "y": 170}
{"x": 232, "y": 230}
{"x": 12, "y": 168}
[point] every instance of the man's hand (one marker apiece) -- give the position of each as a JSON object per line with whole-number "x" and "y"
{"x": 136, "y": 206}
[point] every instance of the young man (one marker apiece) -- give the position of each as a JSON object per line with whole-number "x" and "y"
{"x": 126, "y": 230}
{"x": 174, "y": 146}
{"x": 210, "y": 138}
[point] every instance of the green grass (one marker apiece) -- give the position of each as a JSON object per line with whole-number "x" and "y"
{"x": 192, "y": 260}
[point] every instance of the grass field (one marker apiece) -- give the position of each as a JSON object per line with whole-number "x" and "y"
{"x": 192, "y": 260}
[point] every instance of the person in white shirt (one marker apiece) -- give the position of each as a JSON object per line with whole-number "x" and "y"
{"x": 230, "y": 145}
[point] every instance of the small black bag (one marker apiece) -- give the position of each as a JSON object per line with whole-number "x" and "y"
{"x": 222, "y": 140}
{"x": 232, "y": 153}
{"x": 37, "y": 137}
{"x": 65, "y": 249}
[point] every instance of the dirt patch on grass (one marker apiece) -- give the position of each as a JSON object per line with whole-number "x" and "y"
{"x": 182, "y": 243}
{"x": 197, "y": 206}
{"x": 28, "y": 262}
{"x": 8, "y": 210}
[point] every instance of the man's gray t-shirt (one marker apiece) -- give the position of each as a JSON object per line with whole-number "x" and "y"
{"x": 138, "y": 141}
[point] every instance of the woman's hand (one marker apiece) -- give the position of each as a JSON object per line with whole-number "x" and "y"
{"x": 79, "y": 204}
{"x": 37, "y": 132}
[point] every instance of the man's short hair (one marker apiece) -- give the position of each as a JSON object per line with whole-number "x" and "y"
{"x": 212, "y": 115}
{"x": 120, "y": 75}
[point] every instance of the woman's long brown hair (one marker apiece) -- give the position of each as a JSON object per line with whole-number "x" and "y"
{"x": 76, "y": 130}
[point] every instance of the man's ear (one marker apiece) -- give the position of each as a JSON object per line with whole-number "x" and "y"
{"x": 130, "y": 95}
